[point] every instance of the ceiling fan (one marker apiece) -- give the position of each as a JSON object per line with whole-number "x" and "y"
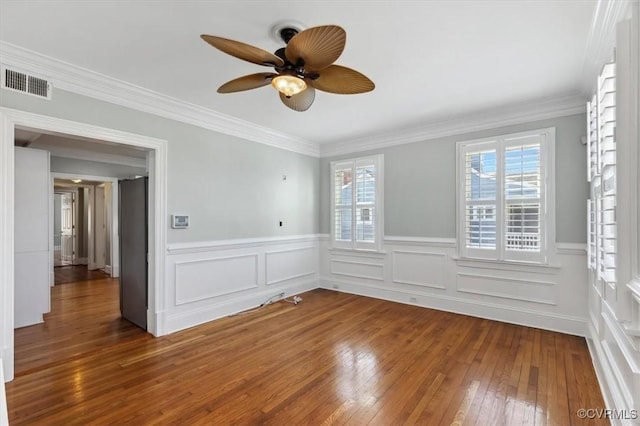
{"x": 305, "y": 64}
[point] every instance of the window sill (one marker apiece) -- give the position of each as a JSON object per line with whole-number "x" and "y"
{"x": 358, "y": 252}
{"x": 540, "y": 268}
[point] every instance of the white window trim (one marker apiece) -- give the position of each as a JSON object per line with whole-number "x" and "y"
{"x": 548, "y": 196}
{"x": 378, "y": 208}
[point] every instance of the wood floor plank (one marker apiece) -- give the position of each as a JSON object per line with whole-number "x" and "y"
{"x": 334, "y": 359}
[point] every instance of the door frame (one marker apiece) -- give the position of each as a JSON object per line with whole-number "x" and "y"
{"x": 157, "y": 167}
{"x": 99, "y": 234}
{"x": 115, "y": 251}
{"x": 52, "y": 192}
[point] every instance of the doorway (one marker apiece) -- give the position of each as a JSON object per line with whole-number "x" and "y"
{"x": 85, "y": 235}
{"x": 63, "y": 228}
{"x": 84, "y": 318}
{"x": 12, "y": 119}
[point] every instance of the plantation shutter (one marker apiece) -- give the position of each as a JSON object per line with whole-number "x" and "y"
{"x": 365, "y": 201}
{"x": 343, "y": 199}
{"x": 602, "y": 175}
{"x": 523, "y": 207}
{"x": 480, "y": 197}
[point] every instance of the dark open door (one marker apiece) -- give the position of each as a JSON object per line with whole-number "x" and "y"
{"x": 133, "y": 250}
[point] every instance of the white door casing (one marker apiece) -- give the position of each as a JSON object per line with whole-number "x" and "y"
{"x": 100, "y": 229}
{"x": 68, "y": 228}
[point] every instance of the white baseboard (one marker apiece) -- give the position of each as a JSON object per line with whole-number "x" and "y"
{"x": 498, "y": 312}
{"x": 179, "y": 321}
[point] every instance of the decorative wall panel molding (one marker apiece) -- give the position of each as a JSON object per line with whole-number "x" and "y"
{"x": 210, "y": 279}
{"x": 507, "y": 288}
{"x": 357, "y": 269}
{"x": 203, "y": 279}
{"x": 415, "y": 273}
{"x": 419, "y": 268}
{"x": 285, "y": 265}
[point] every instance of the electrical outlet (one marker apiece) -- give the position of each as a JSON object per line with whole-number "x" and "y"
{"x": 413, "y": 300}
{"x": 336, "y": 286}
{"x": 281, "y": 294}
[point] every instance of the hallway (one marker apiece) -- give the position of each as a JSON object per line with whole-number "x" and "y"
{"x": 73, "y": 273}
{"x": 84, "y": 318}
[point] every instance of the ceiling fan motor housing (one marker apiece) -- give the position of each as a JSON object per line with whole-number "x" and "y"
{"x": 287, "y": 33}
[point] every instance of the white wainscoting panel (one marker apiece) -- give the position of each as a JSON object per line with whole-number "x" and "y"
{"x": 507, "y": 288}
{"x": 285, "y": 265}
{"x": 427, "y": 272}
{"x": 425, "y": 269}
{"x": 358, "y": 269}
{"x": 207, "y": 278}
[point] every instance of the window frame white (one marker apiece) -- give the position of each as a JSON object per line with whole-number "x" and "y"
{"x": 547, "y": 198}
{"x": 377, "y": 207}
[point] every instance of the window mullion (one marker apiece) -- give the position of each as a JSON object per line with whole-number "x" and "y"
{"x": 544, "y": 213}
{"x": 500, "y": 200}
{"x": 354, "y": 195}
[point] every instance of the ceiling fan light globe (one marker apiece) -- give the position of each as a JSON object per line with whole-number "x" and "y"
{"x": 288, "y": 85}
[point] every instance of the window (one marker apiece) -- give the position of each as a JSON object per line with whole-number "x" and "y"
{"x": 504, "y": 193}
{"x": 356, "y": 203}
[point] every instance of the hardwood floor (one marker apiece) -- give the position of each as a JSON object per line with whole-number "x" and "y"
{"x": 84, "y": 317}
{"x": 333, "y": 359}
{"x": 74, "y": 273}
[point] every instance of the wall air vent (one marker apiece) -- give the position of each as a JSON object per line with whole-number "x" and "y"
{"x": 19, "y": 81}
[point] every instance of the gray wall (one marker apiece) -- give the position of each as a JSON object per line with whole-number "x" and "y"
{"x": 420, "y": 182}
{"x": 231, "y": 188}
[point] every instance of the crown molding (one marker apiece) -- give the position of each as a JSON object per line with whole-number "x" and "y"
{"x": 504, "y": 116}
{"x": 602, "y": 38}
{"x": 89, "y": 83}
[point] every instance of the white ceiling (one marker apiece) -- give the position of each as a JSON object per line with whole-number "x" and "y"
{"x": 431, "y": 61}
